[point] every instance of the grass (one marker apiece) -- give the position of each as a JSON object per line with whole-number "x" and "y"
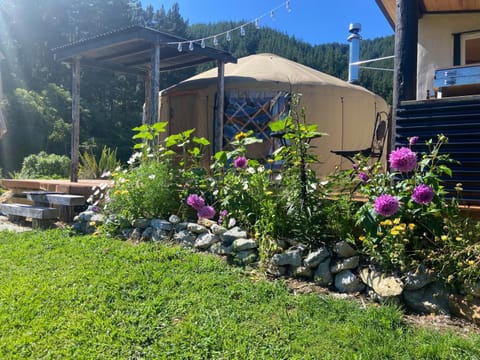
{"x": 70, "y": 297}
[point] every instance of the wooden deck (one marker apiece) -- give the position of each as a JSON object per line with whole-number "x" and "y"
{"x": 82, "y": 187}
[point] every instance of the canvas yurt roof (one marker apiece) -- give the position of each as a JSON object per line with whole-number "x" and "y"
{"x": 343, "y": 110}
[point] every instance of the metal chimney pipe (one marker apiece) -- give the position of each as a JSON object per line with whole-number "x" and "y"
{"x": 354, "y": 40}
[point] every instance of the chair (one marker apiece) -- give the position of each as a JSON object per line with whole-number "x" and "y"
{"x": 376, "y": 148}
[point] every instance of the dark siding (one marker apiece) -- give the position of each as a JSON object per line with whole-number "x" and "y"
{"x": 459, "y": 120}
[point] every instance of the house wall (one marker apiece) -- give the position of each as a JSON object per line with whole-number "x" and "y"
{"x": 435, "y": 44}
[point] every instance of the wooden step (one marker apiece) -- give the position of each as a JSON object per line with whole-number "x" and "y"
{"x": 30, "y": 211}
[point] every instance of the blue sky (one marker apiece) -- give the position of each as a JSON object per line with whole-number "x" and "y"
{"x": 313, "y": 21}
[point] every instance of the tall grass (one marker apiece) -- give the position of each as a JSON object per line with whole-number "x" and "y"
{"x": 86, "y": 297}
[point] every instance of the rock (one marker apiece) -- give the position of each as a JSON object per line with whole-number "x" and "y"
{"x": 348, "y": 282}
{"x": 185, "y": 237}
{"x": 161, "y": 224}
{"x": 181, "y": 226}
{"x": 393, "y": 300}
{"x": 218, "y": 229}
{"x": 219, "y": 249}
{"x": 205, "y": 240}
{"x": 147, "y": 234}
{"x": 323, "y": 276}
{"x": 344, "y": 250}
{"x": 432, "y": 298}
{"x": 160, "y": 235}
{"x": 385, "y": 286}
{"x": 141, "y": 223}
{"x": 315, "y": 258}
{"x": 302, "y": 272}
{"x": 289, "y": 257}
{"x": 246, "y": 257}
{"x": 276, "y": 270}
{"x": 136, "y": 234}
{"x": 473, "y": 290}
{"x": 244, "y": 244}
{"x": 98, "y": 218}
{"x": 206, "y": 222}
{"x": 282, "y": 244}
{"x": 419, "y": 278}
{"x": 234, "y": 233}
{"x": 196, "y": 228}
{"x": 85, "y": 216}
{"x": 465, "y": 308}
{"x": 174, "y": 219}
{"x": 127, "y": 233}
{"x": 345, "y": 264}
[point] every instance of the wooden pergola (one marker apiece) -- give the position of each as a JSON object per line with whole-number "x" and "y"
{"x": 140, "y": 51}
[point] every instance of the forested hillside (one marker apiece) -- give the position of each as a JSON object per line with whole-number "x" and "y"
{"x": 37, "y": 89}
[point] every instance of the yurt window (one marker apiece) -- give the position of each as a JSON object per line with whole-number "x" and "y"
{"x": 252, "y": 111}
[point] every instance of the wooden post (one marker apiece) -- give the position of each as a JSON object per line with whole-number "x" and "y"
{"x": 148, "y": 96}
{"x": 218, "y": 143}
{"x": 405, "y": 63}
{"x": 75, "y": 120}
{"x": 154, "y": 83}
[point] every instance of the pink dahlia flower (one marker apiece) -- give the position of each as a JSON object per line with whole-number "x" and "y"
{"x": 206, "y": 212}
{"x": 195, "y": 201}
{"x": 423, "y": 194}
{"x": 403, "y": 159}
{"x": 386, "y": 205}
{"x": 240, "y": 162}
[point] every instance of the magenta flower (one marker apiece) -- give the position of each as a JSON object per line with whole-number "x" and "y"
{"x": 413, "y": 140}
{"x": 195, "y": 201}
{"x": 403, "y": 159}
{"x": 206, "y": 212}
{"x": 240, "y": 162}
{"x": 386, "y": 205}
{"x": 363, "y": 177}
{"x": 354, "y": 167}
{"x": 423, "y": 194}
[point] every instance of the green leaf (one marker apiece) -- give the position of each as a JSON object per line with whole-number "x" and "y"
{"x": 160, "y": 127}
{"x": 201, "y": 141}
{"x": 143, "y": 127}
{"x": 143, "y": 135}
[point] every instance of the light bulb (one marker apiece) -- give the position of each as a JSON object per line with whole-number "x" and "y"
{"x": 287, "y": 6}
{"x": 215, "y": 40}
{"x": 242, "y": 31}
{"x": 202, "y": 44}
{"x": 179, "y": 48}
{"x": 228, "y": 37}
{"x": 190, "y": 46}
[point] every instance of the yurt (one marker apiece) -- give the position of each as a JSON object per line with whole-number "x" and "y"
{"x": 257, "y": 91}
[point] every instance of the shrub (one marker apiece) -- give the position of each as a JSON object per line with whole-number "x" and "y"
{"x": 90, "y": 168}
{"x": 407, "y": 213}
{"x": 43, "y": 165}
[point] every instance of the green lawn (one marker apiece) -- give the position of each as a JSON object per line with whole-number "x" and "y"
{"x": 64, "y": 297}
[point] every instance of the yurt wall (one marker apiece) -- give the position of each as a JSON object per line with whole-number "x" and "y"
{"x": 344, "y": 111}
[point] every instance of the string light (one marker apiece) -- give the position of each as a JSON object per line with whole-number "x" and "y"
{"x": 287, "y": 6}
{"x": 256, "y": 22}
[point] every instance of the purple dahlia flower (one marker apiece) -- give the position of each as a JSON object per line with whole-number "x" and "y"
{"x": 363, "y": 176}
{"x": 195, "y": 201}
{"x": 413, "y": 140}
{"x": 403, "y": 159}
{"x": 386, "y": 205}
{"x": 240, "y": 162}
{"x": 423, "y": 194}
{"x": 206, "y": 212}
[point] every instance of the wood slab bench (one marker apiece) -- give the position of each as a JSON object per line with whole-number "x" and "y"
{"x": 42, "y": 216}
{"x": 65, "y": 202}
